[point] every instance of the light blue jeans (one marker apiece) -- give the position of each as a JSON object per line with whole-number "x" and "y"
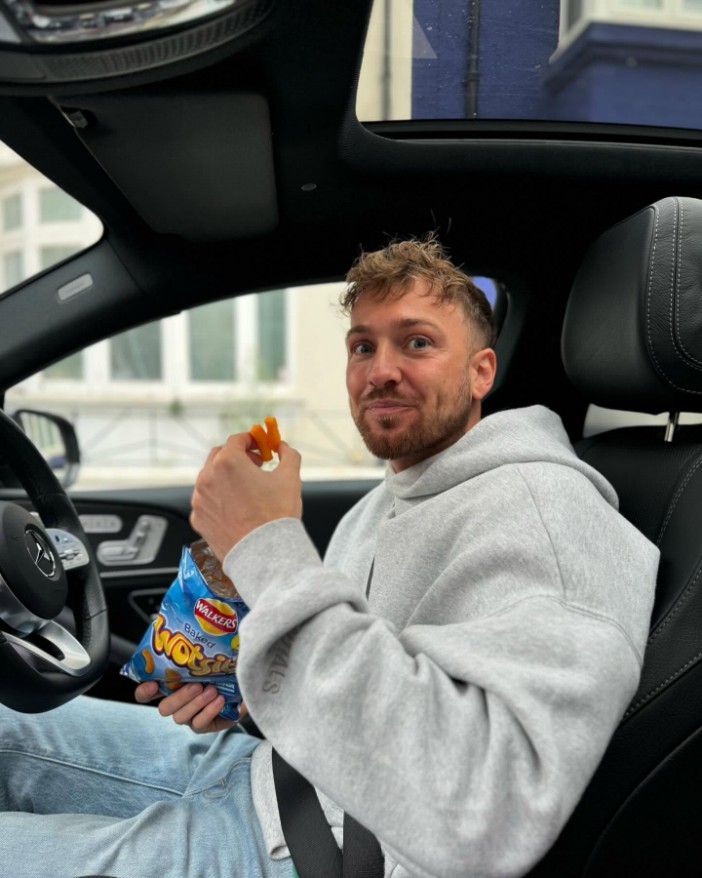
{"x": 100, "y": 788}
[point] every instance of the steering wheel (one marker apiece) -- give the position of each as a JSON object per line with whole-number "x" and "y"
{"x": 45, "y": 565}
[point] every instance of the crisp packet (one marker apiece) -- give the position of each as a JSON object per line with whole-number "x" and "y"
{"x": 195, "y": 636}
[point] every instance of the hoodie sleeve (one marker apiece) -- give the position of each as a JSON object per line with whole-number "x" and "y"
{"x": 463, "y": 748}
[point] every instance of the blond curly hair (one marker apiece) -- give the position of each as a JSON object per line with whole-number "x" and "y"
{"x": 389, "y": 272}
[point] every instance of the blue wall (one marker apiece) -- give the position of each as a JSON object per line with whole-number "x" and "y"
{"x": 611, "y": 73}
{"x": 440, "y": 56}
{"x": 516, "y": 39}
{"x": 636, "y": 75}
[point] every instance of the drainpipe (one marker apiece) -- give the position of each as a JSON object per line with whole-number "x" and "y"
{"x": 472, "y": 80}
{"x": 386, "y": 75}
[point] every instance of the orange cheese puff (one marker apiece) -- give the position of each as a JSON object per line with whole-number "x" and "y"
{"x": 273, "y": 433}
{"x": 260, "y": 438}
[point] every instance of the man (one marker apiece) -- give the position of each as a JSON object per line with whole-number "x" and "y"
{"x": 452, "y": 673}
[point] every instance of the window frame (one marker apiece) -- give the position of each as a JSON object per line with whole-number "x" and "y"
{"x": 672, "y": 14}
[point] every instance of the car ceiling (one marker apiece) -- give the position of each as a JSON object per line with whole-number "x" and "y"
{"x": 201, "y": 172}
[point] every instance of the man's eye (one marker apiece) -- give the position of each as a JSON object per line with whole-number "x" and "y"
{"x": 361, "y": 347}
{"x": 419, "y": 344}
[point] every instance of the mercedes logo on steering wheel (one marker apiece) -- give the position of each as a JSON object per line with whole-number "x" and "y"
{"x": 40, "y": 552}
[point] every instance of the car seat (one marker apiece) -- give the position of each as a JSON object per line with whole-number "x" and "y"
{"x": 632, "y": 340}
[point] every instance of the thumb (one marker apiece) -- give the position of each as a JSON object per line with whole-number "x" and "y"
{"x": 289, "y": 458}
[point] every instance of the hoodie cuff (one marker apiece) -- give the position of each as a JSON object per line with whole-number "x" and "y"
{"x": 271, "y": 555}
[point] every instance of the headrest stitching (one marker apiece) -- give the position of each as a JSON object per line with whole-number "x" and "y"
{"x": 648, "y": 310}
{"x": 648, "y": 295}
{"x": 673, "y": 254}
{"x": 678, "y": 339}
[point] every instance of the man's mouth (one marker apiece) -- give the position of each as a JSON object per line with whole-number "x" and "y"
{"x": 386, "y": 406}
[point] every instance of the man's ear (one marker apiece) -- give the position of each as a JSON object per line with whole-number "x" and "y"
{"x": 483, "y": 365}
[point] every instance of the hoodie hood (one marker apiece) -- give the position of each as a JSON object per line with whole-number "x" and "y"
{"x": 516, "y": 436}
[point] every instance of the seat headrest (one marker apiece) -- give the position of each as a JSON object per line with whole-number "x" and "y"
{"x": 632, "y": 335}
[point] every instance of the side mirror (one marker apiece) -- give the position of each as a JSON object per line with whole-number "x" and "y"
{"x": 56, "y": 439}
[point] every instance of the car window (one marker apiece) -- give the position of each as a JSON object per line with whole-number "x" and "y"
{"x": 40, "y": 225}
{"x": 149, "y": 403}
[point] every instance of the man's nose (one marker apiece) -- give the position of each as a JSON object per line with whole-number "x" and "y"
{"x": 385, "y": 368}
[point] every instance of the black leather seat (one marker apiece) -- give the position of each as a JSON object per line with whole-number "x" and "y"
{"x": 632, "y": 340}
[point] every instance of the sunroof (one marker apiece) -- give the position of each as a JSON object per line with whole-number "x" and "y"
{"x": 636, "y": 62}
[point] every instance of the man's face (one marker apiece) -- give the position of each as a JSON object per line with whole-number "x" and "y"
{"x": 413, "y": 378}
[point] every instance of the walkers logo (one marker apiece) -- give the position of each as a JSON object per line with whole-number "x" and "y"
{"x": 216, "y": 617}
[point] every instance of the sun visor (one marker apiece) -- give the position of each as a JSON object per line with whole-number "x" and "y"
{"x": 195, "y": 165}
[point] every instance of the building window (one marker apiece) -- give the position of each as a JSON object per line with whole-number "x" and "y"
{"x": 272, "y": 335}
{"x": 13, "y": 269}
{"x": 574, "y": 12}
{"x": 68, "y": 369}
{"x": 12, "y": 212}
{"x": 229, "y": 342}
{"x": 57, "y": 207}
{"x": 212, "y": 344}
{"x": 644, "y": 12}
{"x": 50, "y": 256}
{"x": 136, "y": 355}
{"x": 37, "y": 220}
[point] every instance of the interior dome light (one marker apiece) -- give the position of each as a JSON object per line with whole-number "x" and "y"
{"x": 52, "y": 22}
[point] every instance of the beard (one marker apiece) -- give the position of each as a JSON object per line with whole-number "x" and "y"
{"x": 434, "y": 429}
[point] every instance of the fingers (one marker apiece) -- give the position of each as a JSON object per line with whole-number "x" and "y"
{"x": 289, "y": 456}
{"x": 255, "y": 457}
{"x": 185, "y": 703}
{"x": 193, "y": 705}
{"x": 241, "y": 442}
{"x": 196, "y": 706}
{"x": 237, "y": 442}
{"x": 231, "y": 498}
{"x": 209, "y": 460}
{"x": 146, "y": 692}
{"x": 245, "y": 442}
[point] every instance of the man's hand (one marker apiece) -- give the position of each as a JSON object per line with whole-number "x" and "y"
{"x": 234, "y": 496}
{"x": 193, "y": 705}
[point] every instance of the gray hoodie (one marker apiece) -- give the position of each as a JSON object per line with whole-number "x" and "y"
{"x": 459, "y": 711}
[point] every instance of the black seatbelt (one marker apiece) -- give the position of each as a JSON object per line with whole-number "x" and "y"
{"x": 312, "y": 846}
{"x": 362, "y": 855}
